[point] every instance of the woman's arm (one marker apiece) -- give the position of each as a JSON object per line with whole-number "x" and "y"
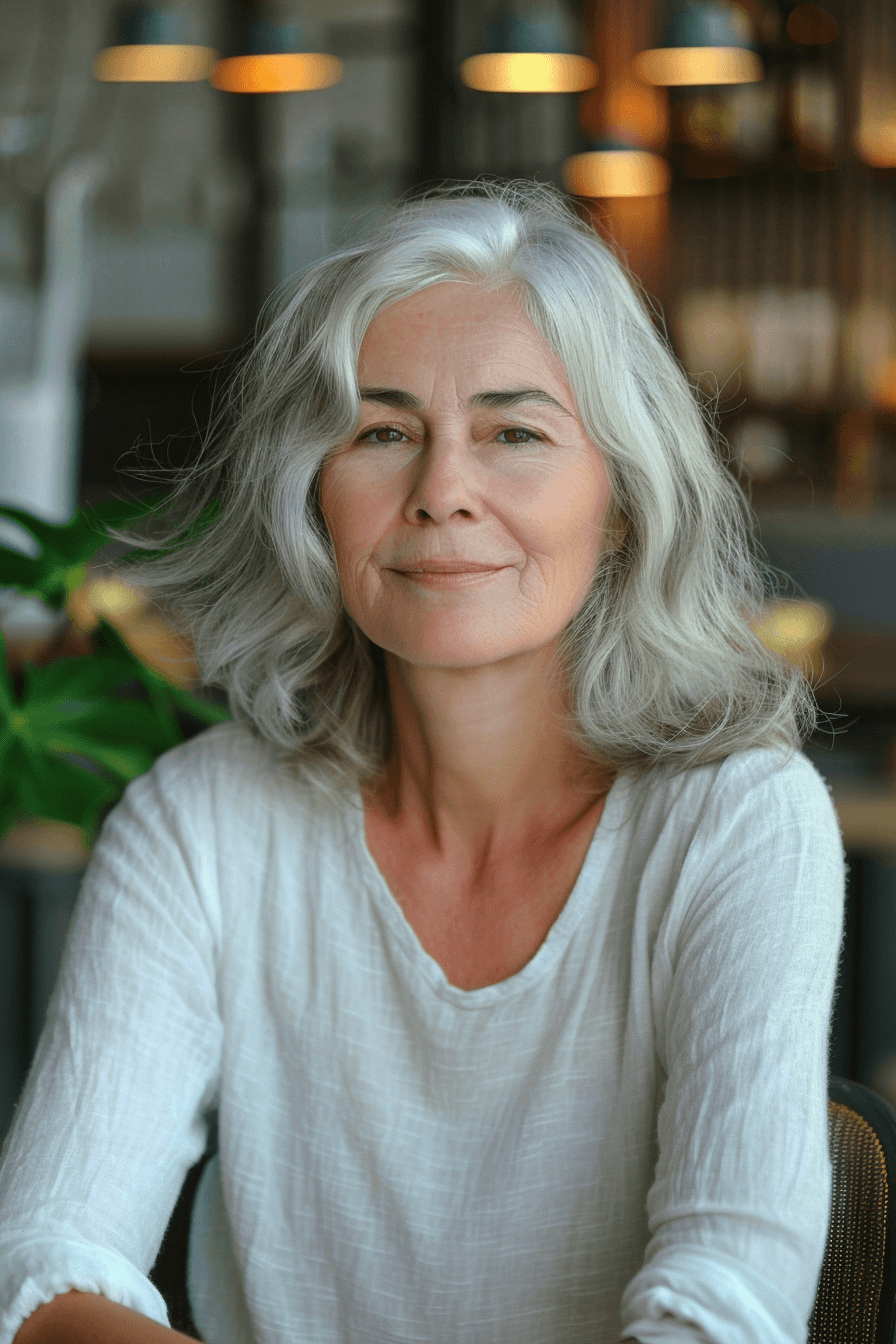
{"x": 117, "y": 1104}
{"x": 740, "y": 1203}
{"x": 89, "y": 1318}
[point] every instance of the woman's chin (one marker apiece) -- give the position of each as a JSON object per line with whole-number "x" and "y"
{"x": 456, "y": 651}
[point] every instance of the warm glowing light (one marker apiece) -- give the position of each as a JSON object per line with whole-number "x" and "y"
{"x": 108, "y": 599}
{"x": 114, "y": 599}
{"x": 616, "y": 172}
{"x": 277, "y": 72}
{"x": 874, "y": 139}
{"x": 793, "y": 630}
{"x": 698, "y": 65}
{"x": 154, "y": 63}
{"x": 875, "y": 142}
{"x": 885, "y": 390}
{"x": 810, "y": 25}
{"x": 161, "y": 647}
{"x": 528, "y": 72}
{"x": 855, "y": 460}
{"x": 869, "y": 346}
{"x": 632, "y": 111}
{"x": 43, "y": 844}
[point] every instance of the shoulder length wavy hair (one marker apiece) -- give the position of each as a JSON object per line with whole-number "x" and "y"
{"x": 661, "y": 665}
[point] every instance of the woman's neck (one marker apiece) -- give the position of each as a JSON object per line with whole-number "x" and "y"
{"x": 483, "y": 757}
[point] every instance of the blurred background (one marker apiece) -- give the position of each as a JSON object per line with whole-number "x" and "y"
{"x": 163, "y": 168}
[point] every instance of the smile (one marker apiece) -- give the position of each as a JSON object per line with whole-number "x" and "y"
{"x": 453, "y": 576}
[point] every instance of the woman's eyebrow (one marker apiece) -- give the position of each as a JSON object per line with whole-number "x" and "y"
{"x": 503, "y": 400}
{"x": 406, "y": 401}
{"x": 392, "y": 396}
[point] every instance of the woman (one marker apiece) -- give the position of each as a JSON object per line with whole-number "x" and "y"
{"x": 500, "y": 929}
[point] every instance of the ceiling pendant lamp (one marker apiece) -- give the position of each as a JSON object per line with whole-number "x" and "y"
{"x": 874, "y": 139}
{"x": 612, "y": 168}
{"x": 706, "y": 42}
{"x": 530, "y": 48}
{"x": 275, "y": 59}
{"x": 153, "y": 46}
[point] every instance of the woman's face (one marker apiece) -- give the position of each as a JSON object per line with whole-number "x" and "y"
{"x": 467, "y": 510}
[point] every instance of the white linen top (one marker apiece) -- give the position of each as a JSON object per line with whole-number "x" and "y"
{"x": 626, "y": 1137}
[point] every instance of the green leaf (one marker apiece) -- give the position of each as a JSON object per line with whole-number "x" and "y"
{"x": 87, "y": 532}
{"x": 77, "y": 707}
{"x": 163, "y": 709}
{"x": 10, "y": 779}
{"x": 65, "y": 547}
{"x": 71, "y": 706}
{"x": 8, "y": 814}
{"x": 108, "y": 641}
{"x": 164, "y": 695}
{"x": 117, "y": 512}
{"x": 203, "y": 710}
{"x": 121, "y": 721}
{"x": 78, "y": 678}
{"x": 46, "y": 534}
{"x": 7, "y": 691}
{"x": 60, "y": 791}
{"x": 7, "y": 743}
{"x": 20, "y": 571}
{"x": 126, "y": 761}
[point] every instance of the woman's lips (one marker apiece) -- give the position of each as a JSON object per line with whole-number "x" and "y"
{"x": 448, "y": 573}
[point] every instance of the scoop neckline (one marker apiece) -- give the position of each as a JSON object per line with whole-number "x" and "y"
{"x": 557, "y": 939}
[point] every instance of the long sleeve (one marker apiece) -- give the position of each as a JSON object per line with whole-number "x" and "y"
{"x": 739, "y": 1207}
{"x": 115, "y": 1108}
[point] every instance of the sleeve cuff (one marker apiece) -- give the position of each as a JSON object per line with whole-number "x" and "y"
{"x": 36, "y": 1271}
{"x": 686, "y": 1295}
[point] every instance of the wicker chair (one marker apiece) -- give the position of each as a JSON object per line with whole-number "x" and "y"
{"x": 856, "y": 1298}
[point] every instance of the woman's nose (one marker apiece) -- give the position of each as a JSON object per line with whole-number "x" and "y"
{"x": 445, "y": 483}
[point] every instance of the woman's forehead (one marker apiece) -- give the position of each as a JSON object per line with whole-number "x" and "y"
{"x": 453, "y": 301}
{"x": 459, "y": 325}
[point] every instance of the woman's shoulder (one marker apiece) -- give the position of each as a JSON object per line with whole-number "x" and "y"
{"x": 759, "y": 792}
{"x": 225, "y": 756}
{"x": 749, "y": 841}
{"x": 227, "y": 775}
{"x": 765, "y": 777}
{"x": 758, "y": 804}
{"x": 756, "y": 777}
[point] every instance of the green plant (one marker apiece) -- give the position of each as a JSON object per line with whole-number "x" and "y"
{"x": 75, "y": 730}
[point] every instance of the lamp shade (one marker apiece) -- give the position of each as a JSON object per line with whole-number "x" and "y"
{"x": 274, "y": 61}
{"x": 611, "y": 168}
{"x": 706, "y": 42}
{"x": 153, "y": 45}
{"x": 530, "y": 49}
{"x": 874, "y": 138}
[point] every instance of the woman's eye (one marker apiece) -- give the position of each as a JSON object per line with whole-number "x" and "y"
{"x": 528, "y": 436}
{"x": 382, "y": 434}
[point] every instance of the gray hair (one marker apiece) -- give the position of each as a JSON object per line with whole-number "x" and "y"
{"x": 661, "y": 665}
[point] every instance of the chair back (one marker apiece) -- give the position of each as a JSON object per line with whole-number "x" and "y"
{"x": 169, "y": 1273}
{"x": 856, "y": 1298}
